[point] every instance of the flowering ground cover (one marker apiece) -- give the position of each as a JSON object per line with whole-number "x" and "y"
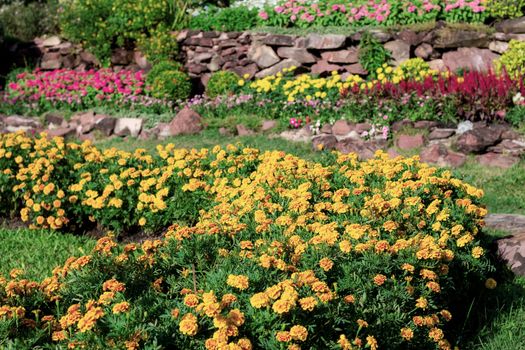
{"x": 268, "y": 249}
{"x": 411, "y": 91}
{"x": 40, "y": 91}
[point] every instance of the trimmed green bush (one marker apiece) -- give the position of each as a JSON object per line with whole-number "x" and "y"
{"x": 222, "y": 83}
{"x": 161, "y": 67}
{"x": 171, "y": 84}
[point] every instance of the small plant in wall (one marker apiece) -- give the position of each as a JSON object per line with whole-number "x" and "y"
{"x": 372, "y": 54}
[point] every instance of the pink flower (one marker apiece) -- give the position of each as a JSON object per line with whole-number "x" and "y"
{"x": 263, "y": 15}
{"x": 278, "y": 9}
{"x": 411, "y": 8}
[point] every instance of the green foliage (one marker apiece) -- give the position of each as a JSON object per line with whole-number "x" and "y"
{"x": 53, "y": 249}
{"x": 413, "y": 68}
{"x": 25, "y": 22}
{"x": 105, "y": 24}
{"x": 227, "y": 19}
{"x": 502, "y": 9}
{"x": 161, "y": 67}
{"x": 222, "y": 83}
{"x": 171, "y": 84}
{"x": 372, "y": 54}
{"x": 516, "y": 116}
{"x": 513, "y": 60}
{"x": 159, "y": 45}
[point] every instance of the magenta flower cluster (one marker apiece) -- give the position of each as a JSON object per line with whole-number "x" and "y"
{"x": 372, "y": 11}
{"x": 71, "y": 86}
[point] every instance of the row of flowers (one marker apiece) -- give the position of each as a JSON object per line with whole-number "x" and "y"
{"x": 410, "y": 91}
{"x": 305, "y": 13}
{"x": 40, "y": 91}
{"x": 270, "y": 251}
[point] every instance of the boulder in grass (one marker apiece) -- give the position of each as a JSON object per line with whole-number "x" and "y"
{"x": 128, "y": 127}
{"x": 477, "y": 140}
{"x": 408, "y": 142}
{"x": 186, "y": 122}
{"x": 498, "y": 160}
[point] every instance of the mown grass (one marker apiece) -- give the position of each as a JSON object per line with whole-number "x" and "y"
{"x": 501, "y": 323}
{"x": 37, "y": 252}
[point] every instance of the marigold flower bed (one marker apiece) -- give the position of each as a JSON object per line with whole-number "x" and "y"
{"x": 276, "y": 252}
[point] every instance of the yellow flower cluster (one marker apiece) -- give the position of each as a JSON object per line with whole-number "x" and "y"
{"x": 288, "y": 243}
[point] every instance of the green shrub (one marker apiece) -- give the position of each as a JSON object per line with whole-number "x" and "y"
{"x": 161, "y": 67}
{"x": 501, "y": 9}
{"x": 105, "y": 24}
{"x": 26, "y": 22}
{"x": 513, "y": 60}
{"x": 225, "y": 19}
{"x": 387, "y": 252}
{"x": 171, "y": 84}
{"x": 372, "y": 54}
{"x": 516, "y": 116}
{"x": 222, "y": 83}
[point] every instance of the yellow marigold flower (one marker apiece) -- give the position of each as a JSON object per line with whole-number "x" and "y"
{"x": 188, "y": 325}
{"x": 299, "y": 333}
{"x": 87, "y": 322}
{"x": 308, "y": 303}
{"x": 490, "y": 283}
{"x": 422, "y": 303}
{"x": 371, "y": 342}
{"x": 344, "y": 343}
{"x": 282, "y": 306}
{"x": 259, "y": 300}
{"x": 477, "y": 252}
{"x": 121, "y": 307}
{"x": 142, "y": 221}
{"x": 326, "y": 264}
{"x": 238, "y": 281}
{"x": 236, "y": 317}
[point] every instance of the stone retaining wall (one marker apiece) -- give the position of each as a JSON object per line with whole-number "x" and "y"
{"x": 261, "y": 54}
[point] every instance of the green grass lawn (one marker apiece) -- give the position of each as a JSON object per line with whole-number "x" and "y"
{"x": 502, "y": 324}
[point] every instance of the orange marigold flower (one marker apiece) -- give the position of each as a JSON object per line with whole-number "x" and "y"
{"x": 175, "y": 313}
{"x": 435, "y": 334}
{"x": 362, "y": 323}
{"x": 379, "y": 279}
{"x": 121, "y": 307}
{"x": 308, "y": 303}
{"x": 283, "y": 336}
{"x": 191, "y": 300}
{"x": 59, "y": 336}
{"x": 113, "y": 285}
{"x": 446, "y": 315}
{"x": 326, "y": 264}
{"x": 407, "y": 333}
{"x": 238, "y": 281}
{"x": 349, "y": 299}
{"x": 188, "y": 325}
{"x": 299, "y": 333}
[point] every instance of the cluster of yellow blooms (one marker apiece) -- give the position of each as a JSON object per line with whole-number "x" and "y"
{"x": 290, "y": 245}
{"x": 307, "y": 87}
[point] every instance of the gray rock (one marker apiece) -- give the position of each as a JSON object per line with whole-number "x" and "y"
{"x": 499, "y": 46}
{"x": 400, "y": 50}
{"x": 516, "y": 25}
{"x": 298, "y": 54}
{"x": 325, "y": 42}
{"x": 128, "y": 126}
{"x": 286, "y": 63}
{"x": 263, "y": 56}
{"x": 464, "y": 126}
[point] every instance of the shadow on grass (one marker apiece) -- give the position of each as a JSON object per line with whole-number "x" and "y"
{"x": 495, "y": 319}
